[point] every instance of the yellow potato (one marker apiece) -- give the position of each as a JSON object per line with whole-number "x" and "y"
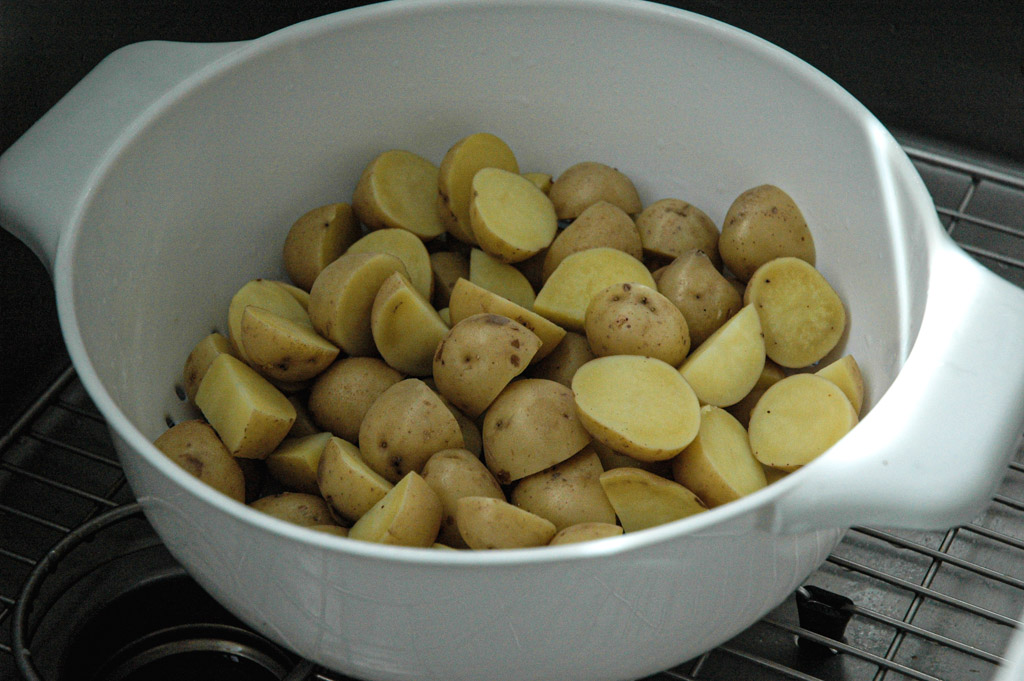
{"x": 511, "y": 218}
{"x": 316, "y": 239}
{"x": 561, "y": 363}
{"x": 845, "y": 373}
{"x": 802, "y": 316}
{"x": 633, "y": 319}
{"x": 636, "y": 405}
{"x": 346, "y": 482}
{"x": 718, "y": 465}
{"x": 195, "y": 447}
{"x": 612, "y": 459}
{"x": 582, "y": 532}
{"x": 340, "y": 396}
{"x": 726, "y": 366}
{"x": 530, "y": 426}
{"x": 569, "y": 289}
{"x": 468, "y": 299}
{"x": 338, "y": 530}
{"x": 670, "y": 227}
{"x": 762, "y": 224}
{"x": 307, "y": 510}
{"x": 406, "y": 328}
{"x": 398, "y": 190}
{"x": 701, "y": 293}
{"x": 541, "y": 180}
{"x": 267, "y": 295}
{"x": 404, "y": 427}
{"x": 304, "y": 424}
{"x": 588, "y": 182}
{"x": 491, "y": 274}
{"x": 199, "y": 360}
{"x": 489, "y": 523}
{"x": 295, "y": 461}
{"x": 453, "y": 474}
{"x": 797, "y": 419}
{"x": 471, "y": 437}
{"x": 642, "y": 499}
{"x": 455, "y": 178}
{"x": 601, "y": 224}
{"x": 301, "y": 295}
{"x": 480, "y": 356}
{"x": 568, "y": 493}
{"x": 250, "y": 415}
{"x": 405, "y": 246}
{"x": 533, "y": 269}
{"x": 771, "y": 374}
{"x": 341, "y": 299}
{"x": 281, "y": 349}
{"x": 408, "y": 515}
{"x": 449, "y": 267}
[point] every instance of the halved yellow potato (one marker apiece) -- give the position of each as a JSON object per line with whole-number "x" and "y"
{"x": 797, "y": 419}
{"x": 670, "y": 227}
{"x": 453, "y": 474}
{"x": 316, "y": 239}
{"x": 346, "y": 482}
{"x": 582, "y": 532}
{"x": 511, "y": 218}
{"x": 718, "y": 465}
{"x": 727, "y": 365}
{"x": 588, "y": 182}
{"x": 567, "y": 493}
{"x": 455, "y": 178}
{"x": 705, "y": 297}
{"x": 639, "y": 406}
{"x": 568, "y": 291}
{"x": 845, "y": 372}
{"x": 406, "y": 328}
{"x": 802, "y": 316}
{"x": 491, "y": 274}
{"x": 408, "y": 515}
{"x": 308, "y": 510}
{"x": 642, "y": 499}
{"x": 199, "y": 359}
{"x": 405, "y": 246}
{"x": 281, "y": 349}
{"x": 267, "y": 295}
{"x": 468, "y": 299}
{"x": 489, "y": 523}
{"x": 398, "y": 190}
{"x": 295, "y": 461}
{"x": 195, "y": 446}
{"x": 250, "y": 415}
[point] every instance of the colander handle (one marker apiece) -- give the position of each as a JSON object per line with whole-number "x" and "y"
{"x": 48, "y": 170}
{"x": 930, "y": 454}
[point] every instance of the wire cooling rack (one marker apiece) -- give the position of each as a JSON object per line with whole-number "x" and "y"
{"x": 892, "y": 605}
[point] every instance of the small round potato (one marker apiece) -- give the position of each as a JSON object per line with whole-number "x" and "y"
{"x": 762, "y": 224}
{"x": 601, "y": 224}
{"x": 701, "y": 293}
{"x": 453, "y": 474}
{"x": 340, "y": 396}
{"x": 586, "y": 183}
{"x": 670, "y": 227}
{"x": 633, "y": 319}
{"x": 195, "y": 447}
{"x": 299, "y": 508}
{"x": 489, "y": 523}
{"x": 568, "y": 493}
{"x": 316, "y": 239}
{"x": 398, "y": 190}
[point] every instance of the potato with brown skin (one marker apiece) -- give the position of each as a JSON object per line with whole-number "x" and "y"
{"x": 584, "y": 184}
{"x": 316, "y": 239}
{"x": 295, "y": 462}
{"x": 601, "y": 224}
{"x": 568, "y": 493}
{"x": 308, "y": 510}
{"x": 404, "y": 427}
{"x": 408, "y": 515}
{"x": 455, "y": 178}
{"x": 612, "y": 459}
{"x": 405, "y": 246}
{"x": 281, "y": 349}
{"x": 532, "y": 425}
{"x": 701, "y": 293}
{"x": 453, "y": 474}
{"x": 199, "y": 360}
{"x": 448, "y": 267}
{"x": 642, "y": 499}
{"x": 763, "y": 223}
{"x": 398, "y": 190}
{"x": 575, "y": 534}
{"x": 265, "y": 294}
{"x": 489, "y": 523}
{"x": 471, "y": 437}
{"x": 195, "y": 447}
{"x": 406, "y": 328}
{"x": 340, "y": 396}
{"x": 670, "y": 227}
{"x": 633, "y": 319}
{"x": 346, "y": 483}
{"x": 480, "y": 356}
{"x": 561, "y": 363}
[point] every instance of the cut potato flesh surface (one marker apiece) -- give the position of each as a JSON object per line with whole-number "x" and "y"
{"x": 511, "y": 218}
{"x": 642, "y": 499}
{"x": 727, "y": 365}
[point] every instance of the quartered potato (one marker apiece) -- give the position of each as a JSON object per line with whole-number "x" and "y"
{"x": 316, "y": 239}
{"x": 340, "y": 396}
{"x": 633, "y": 319}
{"x": 511, "y": 218}
{"x": 561, "y": 363}
{"x": 195, "y": 447}
{"x": 588, "y": 182}
{"x": 408, "y": 515}
{"x": 295, "y": 462}
{"x": 531, "y": 425}
{"x": 341, "y": 299}
{"x": 762, "y": 224}
{"x": 642, "y": 499}
{"x": 308, "y": 510}
{"x": 802, "y": 316}
{"x": 491, "y": 274}
{"x": 405, "y": 246}
{"x": 199, "y": 360}
{"x": 797, "y": 419}
{"x": 489, "y": 523}
{"x": 636, "y": 405}
{"x": 398, "y": 190}
{"x": 582, "y": 532}
{"x": 455, "y": 178}
{"x": 601, "y": 224}
{"x": 406, "y": 328}
{"x": 282, "y": 349}
{"x": 265, "y": 294}
{"x": 670, "y": 227}
{"x": 568, "y": 493}
{"x": 702, "y": 294}
{"x": 468, "y": 299}
{"x": 346, "y": 482}
{"x": 718, "y": 465}
{"x": 845, "y": 373}
{"x": 453, "y": 474}
{"x": 250, "y": 415}
{"x": 725, "y": 368}
{"x": 568, "y": 291}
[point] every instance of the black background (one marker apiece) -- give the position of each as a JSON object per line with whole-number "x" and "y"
{"x": 952, "y": 72}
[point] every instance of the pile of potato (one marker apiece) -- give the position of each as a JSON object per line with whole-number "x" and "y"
{"x": 467, "y": 356}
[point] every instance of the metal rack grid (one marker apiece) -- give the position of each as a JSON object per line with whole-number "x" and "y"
{"x": 925, "y": 605}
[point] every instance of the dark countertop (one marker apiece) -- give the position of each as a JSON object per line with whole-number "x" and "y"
{"x": 948, "y": 71}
